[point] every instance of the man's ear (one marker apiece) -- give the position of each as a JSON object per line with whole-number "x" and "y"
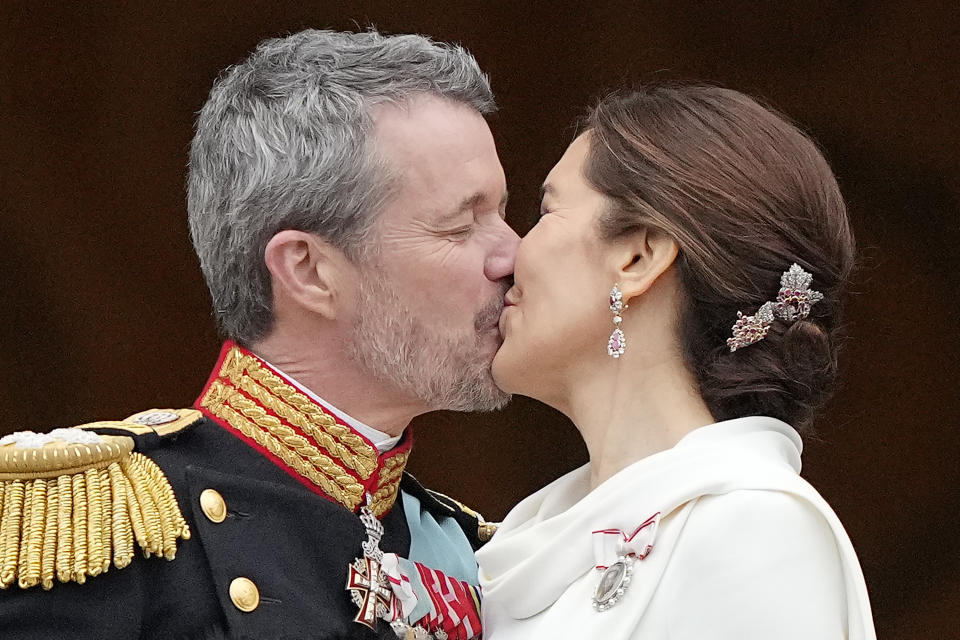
{"x": 307, "y": 270}
{"x": 642, "y": 258}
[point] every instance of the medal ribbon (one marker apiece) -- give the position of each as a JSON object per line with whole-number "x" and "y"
{"x": 431, "y": 599}
{"x": 611, "y": 544}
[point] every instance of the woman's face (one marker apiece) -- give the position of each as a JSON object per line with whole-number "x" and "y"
{"x": 557, "y": 313}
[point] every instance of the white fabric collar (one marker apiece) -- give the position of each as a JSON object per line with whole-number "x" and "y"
{"x": 545, "y": 545}
{"x": 382, "y": 441}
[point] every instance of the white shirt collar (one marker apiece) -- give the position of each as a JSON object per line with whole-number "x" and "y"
{"x": 382, "y": 441}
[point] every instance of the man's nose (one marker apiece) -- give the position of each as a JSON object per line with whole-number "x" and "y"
{"x": 499, "y": 262}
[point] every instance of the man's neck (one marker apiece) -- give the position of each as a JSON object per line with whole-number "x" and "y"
{"x": 330, "y": 373}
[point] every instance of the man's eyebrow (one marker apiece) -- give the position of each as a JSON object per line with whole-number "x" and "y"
{"x": 547, "y": 189}
{"x": 471, "y": 202}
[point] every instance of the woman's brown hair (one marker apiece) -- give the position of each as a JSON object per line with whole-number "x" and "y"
{"x": 745, "y": 194}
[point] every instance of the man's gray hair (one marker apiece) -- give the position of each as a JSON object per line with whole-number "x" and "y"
{"x": 283, "y": 142}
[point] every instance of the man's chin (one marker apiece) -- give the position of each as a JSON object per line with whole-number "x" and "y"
{"x": 498, "y": 398}
{"x": 492, "y": 396}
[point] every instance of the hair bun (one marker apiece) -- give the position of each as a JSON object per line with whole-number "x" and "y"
{"x": 810, "y": 359}
{"x": 806, "y": 337}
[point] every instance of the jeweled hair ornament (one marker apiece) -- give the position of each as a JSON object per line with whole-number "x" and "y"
{"x": 793, "y": 303}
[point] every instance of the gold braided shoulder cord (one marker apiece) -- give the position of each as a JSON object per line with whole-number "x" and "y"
{"x": 78, "y": 572}
{"x": 68, "y": 511}
{"x": 48, "y": 560}
{"x": 122, "y": 527}
{"x": 64, "y": 518}
{"x": 28, "y": 497}
{"x": 10, "y": 526}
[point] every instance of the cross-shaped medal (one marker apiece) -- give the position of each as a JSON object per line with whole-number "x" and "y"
{"x": 369, "y": 591}
{"x": 366, "y": 582}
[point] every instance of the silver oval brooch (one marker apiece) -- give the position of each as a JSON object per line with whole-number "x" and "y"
{"x": 615, "y": 553}
{"x": 613, "y": 582}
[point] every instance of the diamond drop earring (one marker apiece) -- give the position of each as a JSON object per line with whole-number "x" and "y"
{"x": 617, "y": 343}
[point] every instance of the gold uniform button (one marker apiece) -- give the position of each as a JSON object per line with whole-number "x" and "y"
{"x": 213, "y": 506}
{"x": 485, "y": 530}
{"x": 244, "y": 594}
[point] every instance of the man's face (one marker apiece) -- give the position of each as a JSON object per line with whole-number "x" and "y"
{"x": 430, "y": 300}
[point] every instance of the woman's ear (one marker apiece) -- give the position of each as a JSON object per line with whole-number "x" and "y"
{"x": 642, "y": 258}
{"x": 306, "y": 271}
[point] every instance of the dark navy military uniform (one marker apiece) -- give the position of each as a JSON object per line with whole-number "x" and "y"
{"x": 267, "y": 555}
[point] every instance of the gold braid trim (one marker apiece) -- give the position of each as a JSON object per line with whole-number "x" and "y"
{"x": 394, "y": 465}
{"x": 258, "y": 403}
{"x": 66, "y": 509}
{"x": 364, "y": 466}
{"x": 389, "y": 484}
{"x": 253, "y": 421}
{"x": 214, "y": 400}
{"x": 236, "y": 363}
{"x": 293, "y": 441}
{"x": 383, "y": 499}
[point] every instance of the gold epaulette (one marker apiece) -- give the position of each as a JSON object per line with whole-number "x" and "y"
{"x": 72, "y": 502}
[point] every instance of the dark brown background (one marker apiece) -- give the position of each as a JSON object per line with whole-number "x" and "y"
{"x": 104, "y": 311}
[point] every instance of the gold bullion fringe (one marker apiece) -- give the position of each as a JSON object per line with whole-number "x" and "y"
{"x": 76, "y": 525}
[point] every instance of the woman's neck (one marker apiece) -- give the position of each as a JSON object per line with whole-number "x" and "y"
{"x": 628, "y": 410}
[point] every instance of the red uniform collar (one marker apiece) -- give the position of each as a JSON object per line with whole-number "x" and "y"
{"x": 258, "y": 405}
